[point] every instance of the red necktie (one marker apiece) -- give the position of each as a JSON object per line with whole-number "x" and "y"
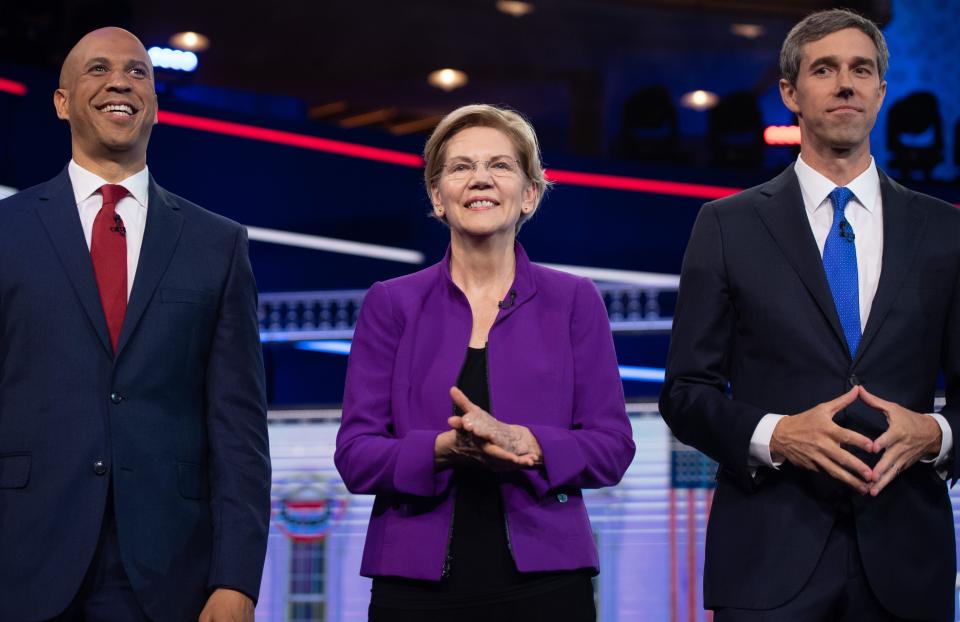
{"x": 108, "y": 249}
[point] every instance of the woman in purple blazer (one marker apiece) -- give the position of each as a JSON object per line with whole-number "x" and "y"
{"x": 482, "y": 394}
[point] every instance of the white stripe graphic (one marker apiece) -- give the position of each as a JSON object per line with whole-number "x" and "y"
{"x": 403, "y": 255}
{"x": 333, "y": 245}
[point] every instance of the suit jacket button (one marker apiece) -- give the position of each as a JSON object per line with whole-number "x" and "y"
{"x": 99, "y": 467}
{"x": 116, "y": 398}
{"x": 853, "y": 380}
{"x": 562, "y": 498}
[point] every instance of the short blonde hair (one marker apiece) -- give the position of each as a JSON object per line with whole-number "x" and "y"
{"x": 513, "y": 124}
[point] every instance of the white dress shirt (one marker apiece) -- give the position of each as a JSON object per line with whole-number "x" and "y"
{"x": 131, "y": 208}
{"x": 864, "y": 212}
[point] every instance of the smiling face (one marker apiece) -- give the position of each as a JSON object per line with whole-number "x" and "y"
{"x": 838, "y": 93}
{"x": 484, "y": 202}
{"x": 107, "y": 95}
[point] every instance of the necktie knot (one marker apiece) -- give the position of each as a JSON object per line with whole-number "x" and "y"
{"x": 840, "y": 197}
{"x": 112, "y": 193}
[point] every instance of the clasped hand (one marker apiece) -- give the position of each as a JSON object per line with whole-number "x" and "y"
{"x": 476, "y": 437}
{"x": 812, "y": 440}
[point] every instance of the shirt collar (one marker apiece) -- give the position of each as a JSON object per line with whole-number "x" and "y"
{"x": 865, "y": 187}
{"x": 85, "y": 183}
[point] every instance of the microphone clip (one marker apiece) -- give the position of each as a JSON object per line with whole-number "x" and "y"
{"x": 118, "y": 225}
{"x": 846, "y": 231}
{"x": 507, "y": 302}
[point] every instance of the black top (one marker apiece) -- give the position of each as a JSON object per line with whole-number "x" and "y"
{"x": 480, "y": 568}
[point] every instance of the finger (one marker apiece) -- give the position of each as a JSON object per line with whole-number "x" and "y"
{"x": 846, "y": 436}
{"x": 893, "y": 460}
{"x": 495, "y": 451}
{"x": 850, "y": 463}
{"x": 873, "y": 401}
{"x": 455, "y": 422}
{"x": 839, "y": 403}
{"x": 461, "y": 401}
{"x": 885, "y": 441}
{"x": 479, "y": 427}
{"x": 839, "y": 473}
{"x": 888, "y": 477}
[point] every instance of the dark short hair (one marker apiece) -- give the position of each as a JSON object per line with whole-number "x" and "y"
{"x": 818, "y": 25}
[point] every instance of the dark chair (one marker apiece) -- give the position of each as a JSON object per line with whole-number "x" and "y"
{"x": 648, "y": 126}
{"x": 915, "y": 134}
{"x": 735, "y": 131}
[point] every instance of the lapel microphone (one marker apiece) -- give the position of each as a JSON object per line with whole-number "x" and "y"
{"x": 846, "y": 231}
{"x": 507, "y": 302}
{"x": 118, "y": 225}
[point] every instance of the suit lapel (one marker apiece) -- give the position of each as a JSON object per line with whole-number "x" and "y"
{"x": 783, "y": 214}
{"x": 902, "y": 230}
{"x": 57, "y": 209}
{"x": 160, "y": 237}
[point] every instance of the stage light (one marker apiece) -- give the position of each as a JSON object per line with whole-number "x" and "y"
{"x": 447, "y": 79}
{"x": 416, "y": 125}
{"x": 368, "y": 118}
{"x": 189, "y": 40}
{"x": 322, "y": 111}
{"x": 643, "y": 374}
{"x": 13, "y": 87}
{"x": 699, "y": 100}
{"x": 515, "y": 7}
{"x": 782, "y": 135}
{"x": 748, "y": 31}
{"x": 329, "y": 346}
{"x": 178, "y": 60}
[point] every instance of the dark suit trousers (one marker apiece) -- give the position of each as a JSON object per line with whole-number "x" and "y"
{"x": 105, "y": 594}
{"x": 837, "y": 591}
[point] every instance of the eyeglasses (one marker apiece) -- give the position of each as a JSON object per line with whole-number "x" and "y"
{"x": 501, "y": 168}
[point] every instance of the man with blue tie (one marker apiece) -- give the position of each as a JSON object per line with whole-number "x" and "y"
{"x": 815, "y": 313}
{"x": 134, "y": 462}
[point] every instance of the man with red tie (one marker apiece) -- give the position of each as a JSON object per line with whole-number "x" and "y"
{"x": 134, "y": 461}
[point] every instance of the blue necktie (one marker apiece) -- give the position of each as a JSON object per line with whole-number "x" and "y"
{"x": 840, "y": 263}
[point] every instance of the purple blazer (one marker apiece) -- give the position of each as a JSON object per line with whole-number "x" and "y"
{"x": 552, "y": 368}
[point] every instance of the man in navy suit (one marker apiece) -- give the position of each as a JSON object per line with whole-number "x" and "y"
{"x": 134, "y": 462}
{"x": 815, "y": 313}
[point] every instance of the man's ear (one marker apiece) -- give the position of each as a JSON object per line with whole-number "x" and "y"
{"x": 788, "y": 93}
{"x": 62, "y": 104}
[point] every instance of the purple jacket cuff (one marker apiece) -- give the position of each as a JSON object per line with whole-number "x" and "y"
{"x": 563, "y": 459}
{"x": 415, "y": 473}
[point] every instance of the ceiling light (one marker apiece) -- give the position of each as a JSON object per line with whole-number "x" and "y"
{"x": 447, "y": 79}
{"x": 747, "y": 31}
{"x": 515, "y": 7}
{"x": 699, "y": 100}
{"x": 165, "y": 58}
{"x": 189, "y": 40}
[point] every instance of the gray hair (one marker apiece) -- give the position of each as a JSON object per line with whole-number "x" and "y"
{"x": 517, "y": 128}
{"x": 818, "y": 25}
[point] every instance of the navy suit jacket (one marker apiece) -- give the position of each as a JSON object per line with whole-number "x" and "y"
{"x": 755, "y": 332}
{"x": 175, "y": 421}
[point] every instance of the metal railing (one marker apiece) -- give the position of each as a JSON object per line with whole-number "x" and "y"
{"x": 317, "y": 315}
